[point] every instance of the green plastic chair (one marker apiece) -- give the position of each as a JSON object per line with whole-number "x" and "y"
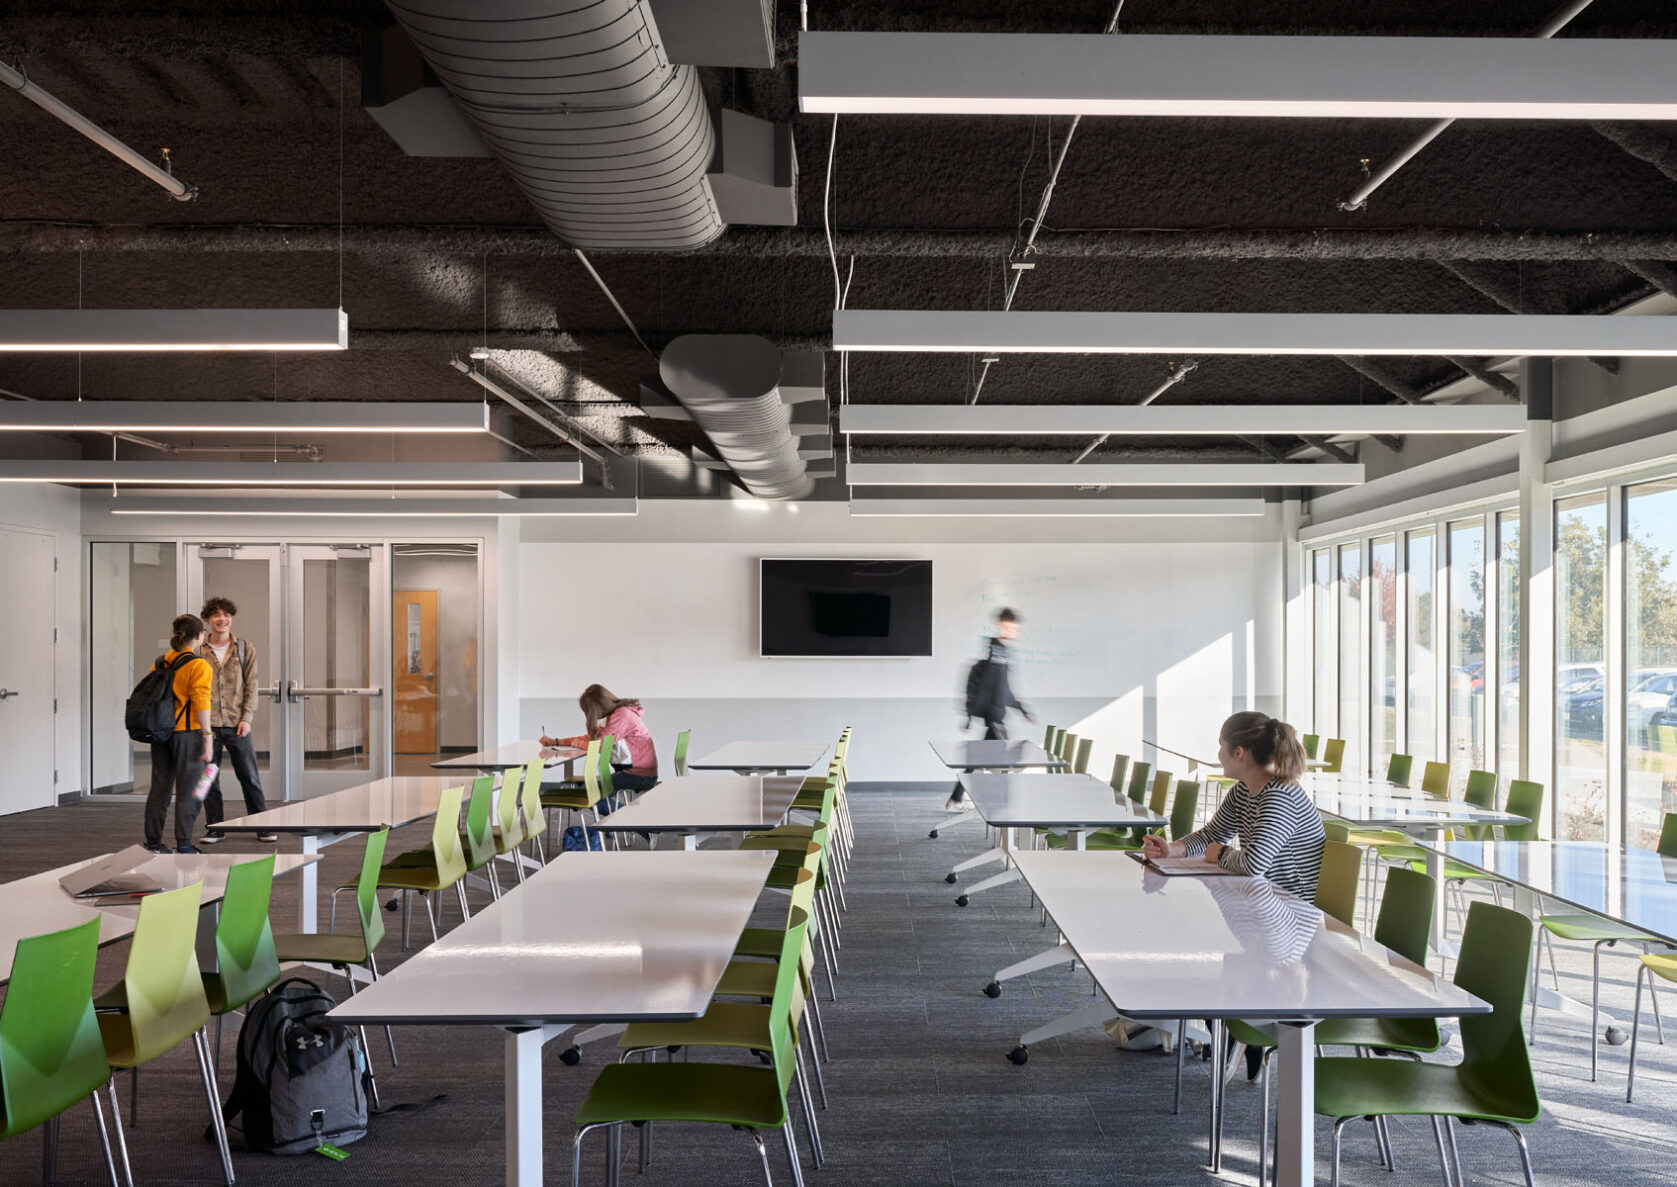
{"x": 1481, "y": 793}
{"x": 744, "y": 1096}
{"x": 477, "y": 839}
{"x": 1398, "y": 769}
{"x": 1333, "y": 754}
{"x": 51, "y": 1056}
{"x": 1311, "y": 743}
{"x": 1120, "y": 772}
{"x": 533, "y": 820}
{"x": 1336, "y": 881}
{"x": 1493, "y": 1083}
{"x": 681, "y": 741}
{"x": 246, "y": 962}
{"x": 1140, "y": 774}
{"x": 342, "y": 951}
{"x": 574, "y": 802}
{"x": 1048, "y": 738}
{"x": 1435, "y": 780}
{"x": 1653, "y": 964}
{"x": 160, "y": 1002}
{"x": 447, "y": 867}
{"x": 1055, "y": 733}
{"x": 1182, "y": 808}
{"x": 507, "y": 833}
{"x": 1080, "y": 765}
{"x": 1067, "y": 749}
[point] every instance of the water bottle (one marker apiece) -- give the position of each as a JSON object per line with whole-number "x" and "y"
{"x": 201, "y": 788}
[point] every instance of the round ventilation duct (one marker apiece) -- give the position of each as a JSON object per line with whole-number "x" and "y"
{"x": 730, "y": 385}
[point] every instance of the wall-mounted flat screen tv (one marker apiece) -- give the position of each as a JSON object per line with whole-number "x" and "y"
{"x": 825, "y": 608}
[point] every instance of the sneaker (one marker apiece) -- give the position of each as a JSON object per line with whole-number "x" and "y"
{"x": 269, "y": 837}
{"x": 150, "y": 848}
{"x": 188, "y": 849}
{"x": 212, "y": 839}
{"x": 957, "y": 805}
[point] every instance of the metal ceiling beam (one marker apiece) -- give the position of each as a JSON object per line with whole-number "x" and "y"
{"x": 1314, "y": 420}
{"x": 974, "y": 331}
{"x": 1645, "y": 144}
{"x": 1514, "y": 299}
{"x": 1491, "y": 379}
{"x": 1102, "y": 474}
{"x": 1221, "y": 76}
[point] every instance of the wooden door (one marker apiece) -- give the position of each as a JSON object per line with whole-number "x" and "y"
{"x": 413, "y": 654}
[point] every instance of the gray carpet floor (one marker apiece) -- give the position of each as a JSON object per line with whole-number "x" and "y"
{"x": 921, "y": 1091}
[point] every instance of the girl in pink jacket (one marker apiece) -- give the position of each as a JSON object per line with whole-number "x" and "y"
{"x": 605, "y": 713}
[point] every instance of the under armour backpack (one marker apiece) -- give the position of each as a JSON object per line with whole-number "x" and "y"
{"x": 149, "y": 715}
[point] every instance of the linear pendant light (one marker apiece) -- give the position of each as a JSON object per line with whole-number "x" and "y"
{"x": 243, "y": 416}
{"x": 295, "y": 473}
{"x": 40, "y": 330}
{"x": 1118, "y": 420}
{"x": 1058, "y": 508}
{"x": 357, "y": 507}
{"x": 1471, "y": 334}
{"x": 1196, "y": 75}
{"x": 1104, "y": 474}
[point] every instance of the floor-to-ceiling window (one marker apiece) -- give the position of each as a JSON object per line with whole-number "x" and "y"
{"x": 1382, "y": 650}
{"x": 1324, "y": 720}
{"x": 1508, "y": 645}
{"x": 1350, "y": 654}
{"x": 1650, "y": 659}
{"x": 1580, "y": 667}
{"x": 1467, "y": 649}
{"x": 1422, "y": 678}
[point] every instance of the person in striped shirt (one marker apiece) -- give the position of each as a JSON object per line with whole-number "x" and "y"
{"x": 1266, "y": 825}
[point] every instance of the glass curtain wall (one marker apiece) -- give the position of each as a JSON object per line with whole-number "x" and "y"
{"x": 1508, "y": 646}
{"x": 1467, "y": 650}
{"x": 1350, "y": 654}
{"x": 1650, "y": 659}
{"x": 1326, "y": 662}
{"x": 1580, "y": 667}
{"x": 1423, "y": 665}
{"x": 1382, "y": 650}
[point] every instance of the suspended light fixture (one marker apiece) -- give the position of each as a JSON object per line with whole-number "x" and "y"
{"x": 46, "y": 330}
{"x": 245, "y": 416}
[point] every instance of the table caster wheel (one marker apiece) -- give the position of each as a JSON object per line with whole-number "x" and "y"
{"x": 1018, "y": 1055}
{"x": 950, "y": 877}
{"x": 933, "y": 834}
{"x": 993, "y": 989}
{"x": 1616, "y": 1037}
{"x": 962, "y": 901}
{"x": 571, "y": 1056}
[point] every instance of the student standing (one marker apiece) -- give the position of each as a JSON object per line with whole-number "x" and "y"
{"x": 994, "y": 698}
{"x": 234, "y": 689}
{"x": 177, "y": 764}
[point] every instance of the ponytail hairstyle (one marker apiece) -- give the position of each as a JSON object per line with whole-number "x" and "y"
{"x": 1272, "y": 743}
{"x": 183, "y": 630}
{"x": 598, "y": 703}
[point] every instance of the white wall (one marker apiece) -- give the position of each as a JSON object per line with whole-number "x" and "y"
{"x": 1132, "y": 628}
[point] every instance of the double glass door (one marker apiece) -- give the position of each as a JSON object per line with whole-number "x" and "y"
{"x": 315, "y": 615}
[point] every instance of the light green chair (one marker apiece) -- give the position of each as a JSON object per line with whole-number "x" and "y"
{"x": 1182, "y": 809}
{"x": 1140, "y": 774}
{"x": 680, "y": 758}
{"x": 1080, "y": 764}
{"x": 1493, "y": 1083}
{"x": 1398, "y": 769}
{"x": 1311, "y": 743}
{"x": 51, "y": 1056}
{"x": 160, "y": 1002}
{"x": 533, "y": 820}
{"x": 477, "y": 842}
{"x": 1653, "y": 964}
{"x": 1435, "y": 780}
{"x": 445, "y": 870}
{"x": 1048, "y": 738}
{"x": 1333, "y": 754}
{"x": 507, "y": 833}
{"x": 246, "y": 962}
{"x": 1481, "y": 792}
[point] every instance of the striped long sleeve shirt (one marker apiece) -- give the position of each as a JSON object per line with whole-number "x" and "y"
{"x": 1278, "y": 831}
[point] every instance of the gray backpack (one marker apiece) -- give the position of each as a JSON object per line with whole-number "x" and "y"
{"x": 301, "y": 1079}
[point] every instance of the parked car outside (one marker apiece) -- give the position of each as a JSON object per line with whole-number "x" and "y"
{"x": 1583, "y": 711}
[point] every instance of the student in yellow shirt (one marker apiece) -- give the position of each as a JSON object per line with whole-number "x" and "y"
{"x": 177, "y": 764}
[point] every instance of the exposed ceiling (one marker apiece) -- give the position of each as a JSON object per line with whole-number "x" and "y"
{"x": 259, "y": 104}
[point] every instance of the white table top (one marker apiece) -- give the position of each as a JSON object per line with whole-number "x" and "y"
{"x": 762, "y": 756}
{"x": 508, "y": 755}
{"x": 992, "y": 754}
{"x": 708, "y": 803}
{"x": 37, "y": 904}
{"x": 1224, "y": 947}
{"x": 1040, "y": 799}
{"x": 1381, "y": 805}
{"x": 399, "y": 800}
{"x": 1636, "y": 887}
{"x": 618, "y": 936}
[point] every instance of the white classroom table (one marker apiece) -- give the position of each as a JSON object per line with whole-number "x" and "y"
{"x": 512, "y": 754}
{"x": 1218, "y": 948}
{"x": 690, "y": 805}
{"x": 36, "y": 905}
{"x": 354, "y": 811}
{"x": 627, "y": 936}
{"x": 991, "y": 754}
{"x": 762, "y": 758}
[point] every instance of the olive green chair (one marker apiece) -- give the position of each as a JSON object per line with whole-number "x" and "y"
{"x": 1333, "y": 754}
{"x": 160, "y": 1003}
{"x": 596, "y": 786}
{"x": 51, "y": 1056}
{"x": 680, "y": 757}
{"x": 507, "y": 833}
{"x": 1080, "y": 764}
{"x": 1048, "y": 738}
{"x": 1311, "y": 743}
{"x": 1653, "y": 964}
{"x": 1493, "y": 1083}
{"x": 246, "y": 962}
{"x": 1182, "y": 808}
{"x": 1120, "y": 772}
{"x": 1398, "y": 769}
{"x": 444, "y": 871}
{"x": 532, "y": 819}
{"x": 1435, "y": 780}
{"x": 477, "y": 842}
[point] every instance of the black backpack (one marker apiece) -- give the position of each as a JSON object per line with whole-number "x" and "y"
{"x": 149, "y": 715}
{"x": 975, "y": 687}
{"x": 301, "y": 1079}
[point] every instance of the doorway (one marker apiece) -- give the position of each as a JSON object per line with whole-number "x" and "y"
{"x": 435, "y": 605}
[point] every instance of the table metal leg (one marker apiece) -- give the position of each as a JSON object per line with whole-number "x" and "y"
{"x": 312, "y": 845}
{"x": 1061, "y": 954}
{"x": 983, "y": 859}
{"x": 690, "y": 841}
{"x": 524, "y": 1103}
{"x": 1295, "y": 1139}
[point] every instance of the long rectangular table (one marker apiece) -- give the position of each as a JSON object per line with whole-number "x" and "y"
{"x": 629, "y": 936}
{"x": 512, "y": 754}
{"x": 1219, "y": 948}
{"x": 991, "y": 754}
{"x": 761, "y": 758}
{"x": 354, "y": 811}
{"x": 37, "y": 904}
{"x": 691, "y": 805}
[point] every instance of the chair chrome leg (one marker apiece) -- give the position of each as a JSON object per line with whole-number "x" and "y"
{"x": 1654, "y": 1001}
{"x": 791, "y": 1155}
{"x": 201, "y": 1044}
{"x": 133, "y": 1095}
{"x": 104, "y": 1137}
{"x": 820, "y": 1081}
{"x": 1218, "y": 1057}
{"x": 1525, "y": 1154}
{"x": 1181, "y": 1028}
{"x": 814, "y": 1006}
{"x": 646, "y": 1146}
{"x": 1455, "y": 1155}
{"x": 1635, "y": 1026}
{"x": 1338, "y": 1127}
{"x": 1595, "y": 1003}
{"x": 460, "y": 892}
{"x": 1263, "y": 1138}
{"x": 1443, "y": 1154}
{"x": 407, "y": 918}
{"x": 808, "y": 1103}
{"x": 429, "y": 914}
{"x": 121, "y": 1141}
{"x": 217, "y": 1064}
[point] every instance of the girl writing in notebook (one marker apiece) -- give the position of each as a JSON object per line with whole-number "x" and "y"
{"x": 1266, "y": 825}
{"x": 603, "y": 712}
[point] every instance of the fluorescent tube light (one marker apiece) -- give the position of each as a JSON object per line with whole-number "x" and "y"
{"x": 1104, "y": 474}
{"x": 1474, "y": 334}
{"x": 244, "y": 416}
{"x": 1478, "y": 78}
{"x": 295, "y": 473}
{"x": 38, "y": 330}
{"x": 419, "y": 508}
{"x": 1119, "y": 420}
{"x": 1058, "y": 508}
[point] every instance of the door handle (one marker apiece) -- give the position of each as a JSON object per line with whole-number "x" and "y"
{"x": 298, "y": 692}
{"x": 7, "y": 693}
{"x": 430, "y": 675}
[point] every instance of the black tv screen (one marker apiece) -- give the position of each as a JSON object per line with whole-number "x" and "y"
{"x": 846, "y": 608}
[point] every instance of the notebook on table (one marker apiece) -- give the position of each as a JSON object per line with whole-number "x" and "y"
{"x": 112, "y": 876}
{"x": 1174, "y": 867}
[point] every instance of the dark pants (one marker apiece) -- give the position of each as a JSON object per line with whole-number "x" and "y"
{"x": 175, "y": 767}
{"x": 243, "y": 756}
{"x": 992, "y": 731}
{"x": 626, "y": 781}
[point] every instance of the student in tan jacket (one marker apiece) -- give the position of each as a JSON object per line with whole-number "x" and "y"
{"x": 233, "y": 703}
